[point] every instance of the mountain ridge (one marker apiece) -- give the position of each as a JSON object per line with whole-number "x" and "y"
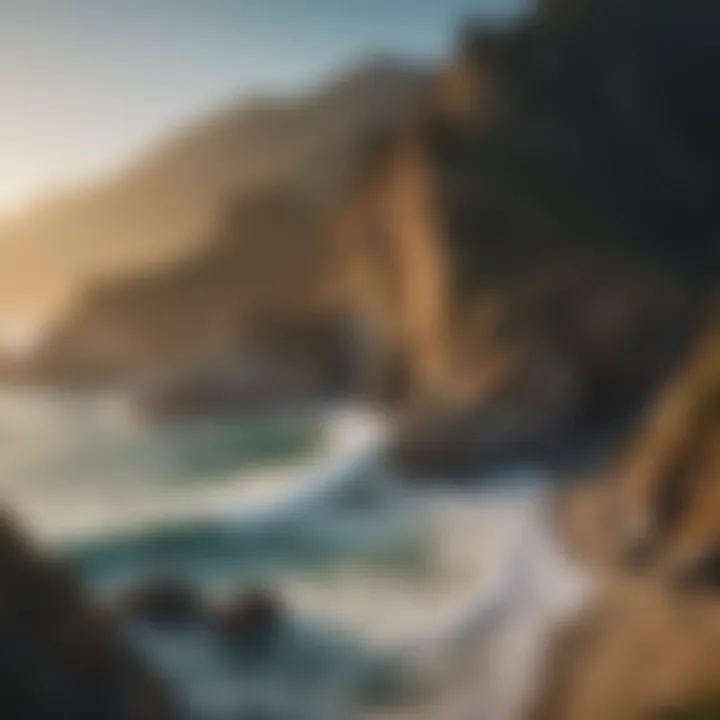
{"x": 165, "y": 203}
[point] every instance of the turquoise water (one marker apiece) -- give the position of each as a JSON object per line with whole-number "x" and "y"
{"x": 370, "y": 570}
{"x": 218, "y": 556}
{"x": 225, "y": 506}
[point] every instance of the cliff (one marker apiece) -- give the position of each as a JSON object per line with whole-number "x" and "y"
{"x": 269, "y": 263}
{"x": 262, "y": 277}
{"x": 166, "y": 204}
{"x": 536, "y": 254}
{"x": 650, "y": 526}
{"x": 536, "y": 247}
{"x": 533, "y": 258}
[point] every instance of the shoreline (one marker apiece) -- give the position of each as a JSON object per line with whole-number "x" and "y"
{"x": 495, "y": 564}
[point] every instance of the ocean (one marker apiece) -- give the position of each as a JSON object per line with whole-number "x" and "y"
{"x": 397, "y": 596}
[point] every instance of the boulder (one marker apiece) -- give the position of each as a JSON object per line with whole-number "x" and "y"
{"x": 251, "y": 622}
{"x": 163, "y": 604}
{"x": 59, "y": 656}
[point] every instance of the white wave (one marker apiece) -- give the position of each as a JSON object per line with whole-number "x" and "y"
{"x": 80, "y": 470}
{"x": 473, "y": 623}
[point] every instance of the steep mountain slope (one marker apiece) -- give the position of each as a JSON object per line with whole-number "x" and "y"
{"x": 268, "y": 285}
{"x": 536, "y": 246}
{"x": 167, "y": 203}
{"x": 264, "y": 276}
{"x": 538, "y": 256}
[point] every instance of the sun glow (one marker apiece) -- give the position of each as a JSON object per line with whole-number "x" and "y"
{"x": 19, "y": 336}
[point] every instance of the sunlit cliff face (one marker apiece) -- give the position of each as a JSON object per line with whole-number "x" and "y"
{"x": 396, "y": 273}
{"x": 667, "y": 494}
{"x": 394, "y": 229}
{"x": 523, "y": 254}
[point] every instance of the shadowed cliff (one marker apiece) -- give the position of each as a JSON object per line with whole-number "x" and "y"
{"x": 537, "y": 256}
{"x": 537, "y": 246}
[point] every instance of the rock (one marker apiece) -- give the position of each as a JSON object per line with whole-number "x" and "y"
{"x": 268, "y": 251}
{"x": 666, "y": 495}
{"x": 705, "y": 707}
{"x": 250, "y": 623}
{"x": 59, "y": 656}
{"x": 459, "y": 445}
{"x": 645, "y": 648}
{"x": 207, "y": 396}
{"x": 164, "y": 604}
{"x": 528, "y": 245}
{"x": 702, "y": 573}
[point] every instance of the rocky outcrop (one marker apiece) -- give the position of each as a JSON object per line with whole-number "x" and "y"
{"x": 537, "y": 245}
{"x": 250, "y": 623}
{"x": 666, "y": 502}
{"x": 60, "y": 657}
{"x": 263, "y": 291}
{"x": 163, "y": 603}
{"x": 246, "y": 625}
{"x": 256, "y": 383}
{"x": 646, "y": 648}
{"x": 649, "y": 526}
{"x": 259, "y": 312}
{"x": 538, "y": 251}
{"x": 259, "y": 281}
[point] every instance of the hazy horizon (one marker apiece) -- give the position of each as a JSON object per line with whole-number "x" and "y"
{"x": 91, "y": 84}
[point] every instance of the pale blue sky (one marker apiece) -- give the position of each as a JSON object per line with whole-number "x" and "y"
{"x": 87, "y": 84}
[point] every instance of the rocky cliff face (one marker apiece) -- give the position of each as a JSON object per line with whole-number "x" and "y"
{"x": 649, "y": 648}
{"x": 270, "y": 261}
{"x": 551, "y": 223}
{"x": 266, "y": 285}
{"x": 667, "y": 495}
{"x": 535, "y": 247}
{"x": 166, "y": 205}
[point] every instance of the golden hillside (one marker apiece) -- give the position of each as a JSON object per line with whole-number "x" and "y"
{"x": 167, "y": 203}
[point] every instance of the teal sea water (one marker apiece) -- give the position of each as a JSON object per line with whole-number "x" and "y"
{"x": 383, "y": 583}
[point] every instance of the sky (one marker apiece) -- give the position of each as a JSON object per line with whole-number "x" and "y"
{"x": 86, "y": 85}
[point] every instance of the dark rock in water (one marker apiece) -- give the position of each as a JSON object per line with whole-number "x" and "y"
{"x": 251, "y": 623}
{"x": 461, "y": 446}
{"x": 219, "y": 396}
{"x": 283, "y": 363}
{"x": 59, "y": 657}
{"x": 165, "y": 604}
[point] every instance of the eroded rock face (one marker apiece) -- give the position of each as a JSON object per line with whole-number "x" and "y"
{"x": 300, "y": 362}
{"x": 59, "y": 657}
{"x": 270, "y": 178}
{"x": 262, "y": 264}
{"x": 637, "y": 655}
{"x": 540, "y": 247}
{"x": 667, "y": 486}
{"x": 539, "y": 240}
{"x": 648, "y": 647}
